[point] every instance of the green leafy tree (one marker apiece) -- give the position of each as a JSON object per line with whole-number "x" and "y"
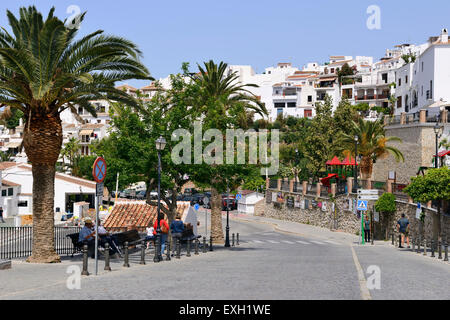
{"x": 70, "y": 151}
{"x": 433, "y": 186}
{"x": 45, "y": 71}
{"x": 386, "y": 205}
{"x": 219, "y": 102}
{"x": 345, "y": 72}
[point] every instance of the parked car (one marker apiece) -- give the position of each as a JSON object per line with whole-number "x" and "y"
{"x": 141, "y": 195}
{"x": 232, "y": 204}
{"x": 154, "y": 194}
{"x": 197, "y": 198}
{"x": 190, "y": 191}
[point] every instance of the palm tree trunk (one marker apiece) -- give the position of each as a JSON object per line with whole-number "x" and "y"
{"x": 366, "y": 168}
{"x": 43, "y": 215}
{"x": 216, "y": 217}
{"x": 42, "y": 142}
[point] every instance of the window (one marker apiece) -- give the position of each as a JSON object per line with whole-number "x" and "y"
{"x": 384, "y": 77}
{"x": 431, "y": 89}
{"x": 332, "y": 70}
{"x": 22, "y": 204}
{"x": 309, "y": 98}
{"x": 10, "y": 191}
{"x": 422, "y": 66}
{"x": 422, "y": 92}
{"x": 308, "y": 113}
{"x": 291, "y": 104}
{"x": 279, "y": 105}
{"x": 406, "y": 80}
{"x": 3, "y": 193}
{"x": 399, "y": 102}
{"x": 399, "y": 82}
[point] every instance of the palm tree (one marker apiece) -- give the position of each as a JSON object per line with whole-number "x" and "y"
{"x": 372, "y": 144}
{"x": 221, "y": 102}
{"x": 44, "y": 71}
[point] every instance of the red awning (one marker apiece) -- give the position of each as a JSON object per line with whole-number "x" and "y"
{"x": 442, "y": 153}
{"x": 334, "y": 162}
{"x": 347, "y": 162}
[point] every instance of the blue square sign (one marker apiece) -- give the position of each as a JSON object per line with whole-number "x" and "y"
{"x": 362, "y": 205}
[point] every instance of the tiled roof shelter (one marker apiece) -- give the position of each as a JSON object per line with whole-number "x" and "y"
{"x": 139, "y": 214}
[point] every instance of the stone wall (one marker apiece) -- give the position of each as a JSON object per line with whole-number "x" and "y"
{"x": 343, "y": 219}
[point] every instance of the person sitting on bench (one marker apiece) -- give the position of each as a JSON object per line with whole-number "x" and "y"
{"x": 87, "y": 234}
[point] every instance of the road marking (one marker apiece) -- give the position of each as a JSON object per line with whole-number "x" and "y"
{"x": 332, "y": 242}
{"x": 257, "y": 241}
{"x": 272, "y": 241}
{"x": 365, "y": 294}
{"x": 302, "y": 242}
{"x": 288, "y": 242}
{"x": 317, "y": 242}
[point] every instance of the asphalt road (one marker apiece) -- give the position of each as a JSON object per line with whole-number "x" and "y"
{"x": 266, "y": 265}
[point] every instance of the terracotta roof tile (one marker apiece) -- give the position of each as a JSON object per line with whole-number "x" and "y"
{"x": 7, "y": 165}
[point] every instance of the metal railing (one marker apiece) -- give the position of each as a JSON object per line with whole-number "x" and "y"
{"x": 341, "y": 187}
{"x": 273, "y": 184}
{"x": 17, "y": 242}
{"x": 285, "y": 185}
{"x": 312, "y": 189}
{"x": 298, "y": 187}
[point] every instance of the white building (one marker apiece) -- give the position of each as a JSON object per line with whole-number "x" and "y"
{"x": 17, "y": 190}
{"x": 246, "y": 204}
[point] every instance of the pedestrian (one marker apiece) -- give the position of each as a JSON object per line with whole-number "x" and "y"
{"x": 164, "y": 231}
{"x": 150, "y": 236}
{"x": 176, "y": 229}
{"x": 1, "y": 215}
{"x": 367, "y": 229}
{"x": 403, "y": 228}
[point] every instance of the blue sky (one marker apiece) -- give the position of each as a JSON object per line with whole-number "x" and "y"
{"x": 256, "y": 32}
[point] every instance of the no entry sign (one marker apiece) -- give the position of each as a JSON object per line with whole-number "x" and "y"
{"x": 99, "y": 170}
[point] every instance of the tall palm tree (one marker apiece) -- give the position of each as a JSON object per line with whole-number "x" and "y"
{"x": 70, "y": 151}
{"x": 372, "y": 144}
{"x": 221, "y": 102}
{"x": 44, "y": 71}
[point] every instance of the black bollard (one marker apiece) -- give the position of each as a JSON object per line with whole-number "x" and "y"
{"x": 418, "y": 244}
{"x": 432, "y": 248}
{"x": 188, "y": 248}
{"x": 168, "y": 250}
{"x": 125, "y": 260}
{"x": 142, "y": 253}
{"x": 210, "y": 244}
{"x": 425, "y": 246}
{"x": 439, "y": 249}
{"x": 204, "y": 244}
{"x": 399, "y": 240}
{"x": 393, "y": 235}
{"x": 157, "y": 250}
{"x": 413, "y": 241}
{"x": 107, "y": 267}
{"x": 178, "y": 249}
{"x": 196, "y": 247}
{"x": 232, "y": 240}
{"x": 237, "y": 238}
{"x": 85, "y": 271}
{"x": 446, "y": 251}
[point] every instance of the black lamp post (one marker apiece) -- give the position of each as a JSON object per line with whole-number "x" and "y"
{"x": 227, "y": 229}
{"x": 355, "y": 173}
{"x": 160, "y": 145}
{"x": 438, "y": 132}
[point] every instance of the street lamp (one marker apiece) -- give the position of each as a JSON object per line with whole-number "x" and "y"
{"x": 160, "y": 145}
{"x": 227, "y": 229}
{"x": 355, "y": 173}
{"x": 438, "y": 132}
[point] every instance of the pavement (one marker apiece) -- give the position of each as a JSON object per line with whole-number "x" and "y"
{"x": 275, "y": 260}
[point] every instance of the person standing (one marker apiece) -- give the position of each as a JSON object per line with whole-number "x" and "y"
{"x": 367, "y": 229}
{"x": 1, "y": 215}
{"x": 176, "y": 229}
{"x": 164, "y": 231}
{"x": 403, "y": 228}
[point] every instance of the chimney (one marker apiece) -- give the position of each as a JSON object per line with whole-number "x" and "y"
{"x": 444, "y": 35}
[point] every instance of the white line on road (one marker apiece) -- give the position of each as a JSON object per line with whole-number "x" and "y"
{"x": 272, "y": 241}
{"x": 365, "y": 294}
{"x": 257, "y": 241}
{"x": 288, "y": 242}
{"x": 332, "y": 242}
{"x": 302, "y": 242}
{"x": 317, "y": 242}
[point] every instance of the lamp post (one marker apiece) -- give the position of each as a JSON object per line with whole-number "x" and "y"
{"x": 355, "y": 173}
{"x": 160, "y": 145}
{"x": 438, "y": 132}
{"x": 227, "y": 229}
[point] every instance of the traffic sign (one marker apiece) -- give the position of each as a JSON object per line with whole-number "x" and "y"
{"x": 196, "y": 207}
{"x": 238, "y": 196}
{"x": 362, "y": 205}
{"x": 99, "y": 170}
{"x": 367, "y": 192}
{"x": 368, "y": 197}
{"x": 99, "y": 189}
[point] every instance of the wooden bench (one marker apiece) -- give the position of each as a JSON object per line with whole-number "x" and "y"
{"x": 77, "y": 246}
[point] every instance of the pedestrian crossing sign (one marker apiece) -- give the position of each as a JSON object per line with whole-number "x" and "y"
{"x": 362, "y": 205}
